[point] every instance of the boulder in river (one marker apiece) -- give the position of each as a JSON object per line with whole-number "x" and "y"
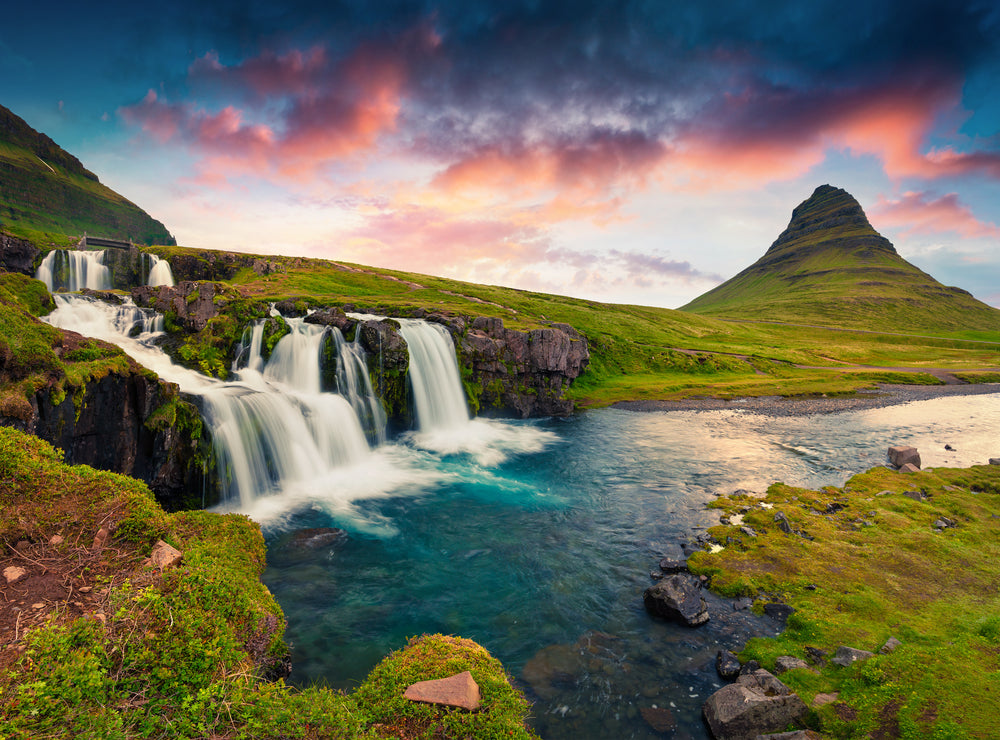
{"x": 677, "y": 597}
{"x": 900, "y": 455}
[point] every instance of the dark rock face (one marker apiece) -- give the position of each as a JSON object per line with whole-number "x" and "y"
{"x": 514, "y": 373}
{"x": 109, "y": 424}
{"x": 208, "y": 265}
{"x": 193, "y": 304}
{"x": 679, "y": 598}
{"x": 17, "y": 255}
{"x": 847, "y": 655}
{"x": 758, "y": 703}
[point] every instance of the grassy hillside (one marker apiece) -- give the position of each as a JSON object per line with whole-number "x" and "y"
{"x": 636, "y": 351}
{"x": 831, "y": 267}
{"x": 866, "y": 562}
{"x": 46, "y": 195}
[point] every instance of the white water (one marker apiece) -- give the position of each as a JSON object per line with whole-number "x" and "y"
{"x": 434, "y": 379}
{"x": 85, "y": 270}
{"x": 159, "y": 271}
{"x": 281, "y": 444}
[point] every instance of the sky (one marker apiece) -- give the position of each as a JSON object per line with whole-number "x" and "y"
{"x": 629, "y": 152}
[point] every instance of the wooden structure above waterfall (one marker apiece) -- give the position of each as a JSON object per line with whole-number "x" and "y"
{"x": 97, "y": 242}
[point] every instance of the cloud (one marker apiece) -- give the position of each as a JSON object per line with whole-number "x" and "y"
{"x": 921, "y": 213}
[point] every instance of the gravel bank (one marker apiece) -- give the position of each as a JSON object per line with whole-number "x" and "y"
{"x": 886, "y": 395}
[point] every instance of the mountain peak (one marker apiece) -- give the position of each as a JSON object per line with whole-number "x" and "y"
{"x": 830, "y": 267}
{"x": 829, "y": 213}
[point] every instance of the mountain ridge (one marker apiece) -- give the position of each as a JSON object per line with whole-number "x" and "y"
{"x": 46, "y": 191}
{"x": 831, "y": 266}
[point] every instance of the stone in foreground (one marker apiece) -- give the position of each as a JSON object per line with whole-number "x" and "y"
{"x": 909, "y": 468}
{"x": 758, "y": 703}
{"x": 901, "y": 455}
{"x": 164, "y": 556}
{"x": 14, "y": 573}
{"x": 788, "y": 663}
{"x": 460, "y": 690}
{"x": 678, "y": 597}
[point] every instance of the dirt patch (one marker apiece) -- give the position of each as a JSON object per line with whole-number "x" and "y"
{"x": 888, "y": 722}
{"x": 62, "y": 581}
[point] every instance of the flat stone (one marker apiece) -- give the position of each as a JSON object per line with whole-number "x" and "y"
{"x": 164, "y": 556}
{"x": 890, "y": 646}
{"x": 460, "y": 690}
{"x": 101, "y": 538}
{"x": 847, "y": 655}
{"x": 56, "y": 539}
{"x": 14, "y": 573}
{"x": 909, "y": 468}
{"x": 670, "y": 566}
{"x": 788, "y": 663}
{"x": 915, "y": 495}
{"x": 780, "y": 612}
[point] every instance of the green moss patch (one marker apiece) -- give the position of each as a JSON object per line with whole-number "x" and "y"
{"x": 869, "y": 561}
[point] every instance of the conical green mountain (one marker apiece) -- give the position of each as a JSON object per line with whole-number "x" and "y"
{"x": 830, "y": 267}
{"x": 45, "y": 190}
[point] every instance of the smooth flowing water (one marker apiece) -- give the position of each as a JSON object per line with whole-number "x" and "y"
{"x": 542, "y": 553}
{"x": 74, "y": 269}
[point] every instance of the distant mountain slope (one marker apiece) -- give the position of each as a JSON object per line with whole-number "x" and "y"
{"x": 45, "y": 189}
{"x": 831, "y": 267}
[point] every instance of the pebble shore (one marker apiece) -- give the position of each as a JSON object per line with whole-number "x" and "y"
{"x": 886, "y": 395}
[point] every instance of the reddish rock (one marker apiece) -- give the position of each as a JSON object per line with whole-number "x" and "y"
{"x": 164, "y": 556}
{"x": 459, "y": 690}
{"x": 101, "y": 538}
{"x": 14, "y": 573}
{"x": 909, "y": 468}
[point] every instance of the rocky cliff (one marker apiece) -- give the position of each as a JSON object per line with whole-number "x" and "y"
{"x": 17, "y": 255}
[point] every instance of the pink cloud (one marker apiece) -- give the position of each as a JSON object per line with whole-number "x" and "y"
{"x": 919, "y": 213}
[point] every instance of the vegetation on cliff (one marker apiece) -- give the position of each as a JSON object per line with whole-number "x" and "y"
{"x": 910, "y": 556}
{"x": 98, "y": 642}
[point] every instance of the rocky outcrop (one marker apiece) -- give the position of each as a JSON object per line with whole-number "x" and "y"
{"x": 190, "y": 305}
{"x": 758, "y": 703}
{"x": 127, "y": 422}
{"x": 208, "y": 265}
{"x": 517, "y": 373}
{"x": 17, "y": 255}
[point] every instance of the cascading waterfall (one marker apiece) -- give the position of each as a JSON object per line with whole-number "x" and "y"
{"x": 157, "y": 270}
{"x": 73, "y": 270}
{"x": 275, "y": 430}
{"x": 434, "y": 377}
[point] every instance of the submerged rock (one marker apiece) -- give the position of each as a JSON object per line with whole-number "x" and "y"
{"x": 319, "y": 537}
{"x": 727, "y": 665}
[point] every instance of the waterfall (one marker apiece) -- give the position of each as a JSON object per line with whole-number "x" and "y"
{"x": 158, "y": 271}
{"x": 73, "y": 270}
{"x": 434, "y": 377}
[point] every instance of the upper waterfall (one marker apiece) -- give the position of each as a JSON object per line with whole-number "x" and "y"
{"x": 158, "y": 271}
{"x": 73, "y": 270}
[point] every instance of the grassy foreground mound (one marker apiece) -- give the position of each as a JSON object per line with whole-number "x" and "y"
{"x": 96, "y": 642}
{"x": 871, "y": 561}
